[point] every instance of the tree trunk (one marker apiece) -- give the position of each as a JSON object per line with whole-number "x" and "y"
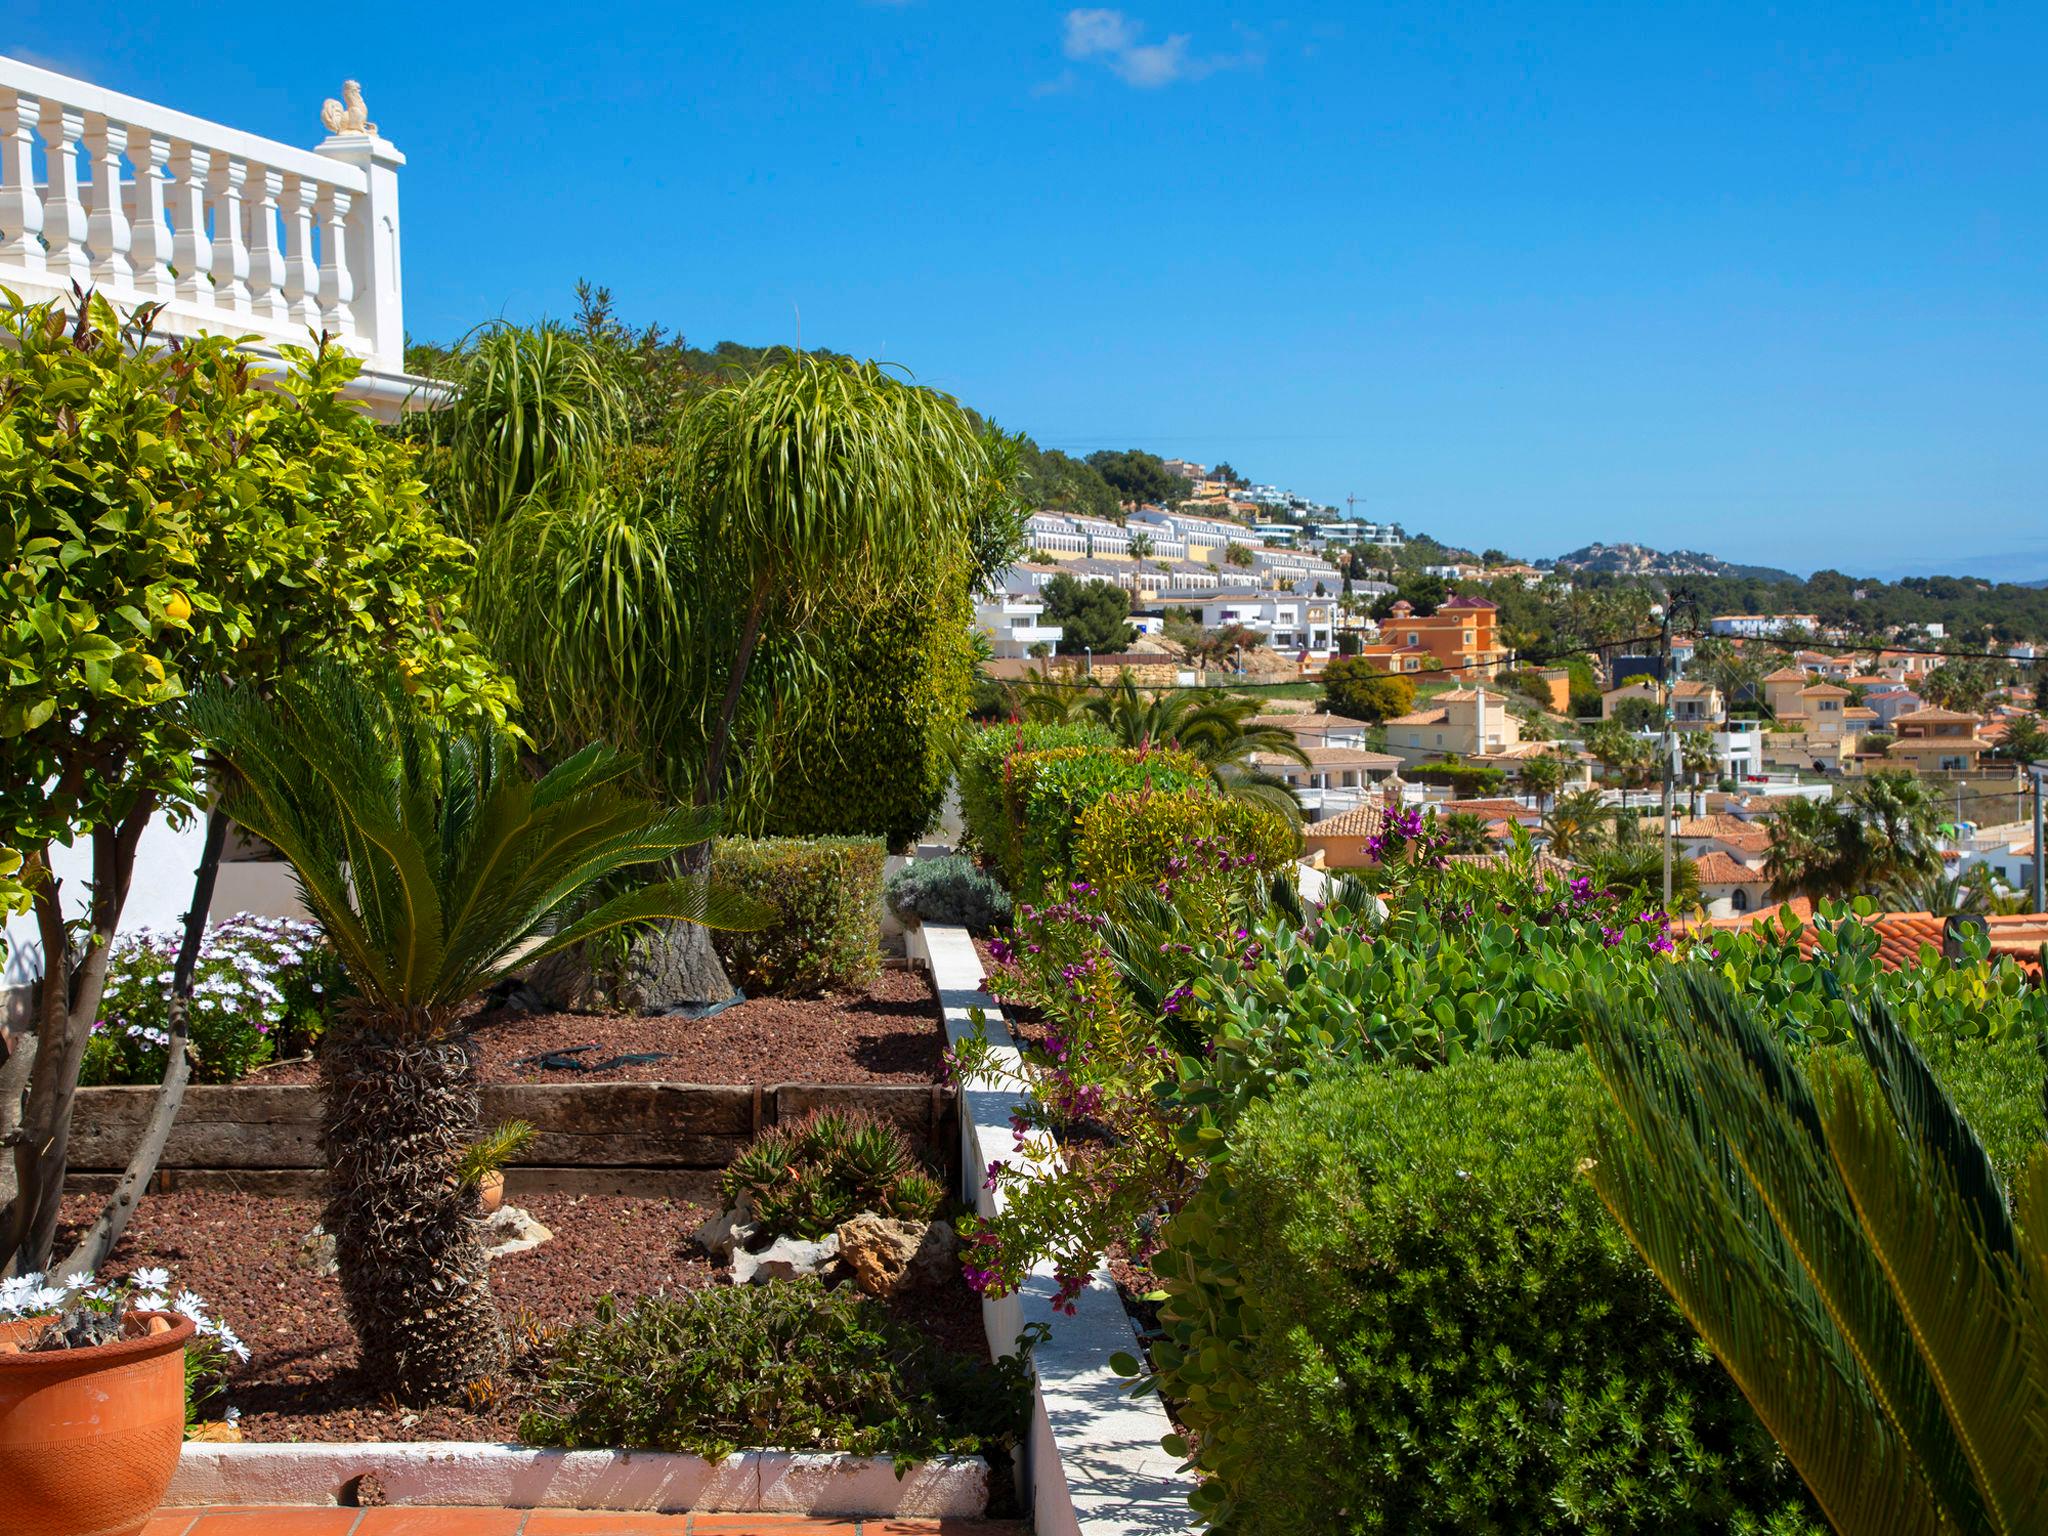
{"x": 67, "y": 1004}
{"x": 675, "y": 969}
{"x": 93, "y": 1249}
{"x": 400, "y": 1110}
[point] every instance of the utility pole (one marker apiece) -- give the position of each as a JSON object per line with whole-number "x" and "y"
{"x": 2037, "y": 772}
{"x": 1670, "y": 744}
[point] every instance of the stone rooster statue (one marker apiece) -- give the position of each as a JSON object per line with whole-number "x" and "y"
{"x": 348, "y": 115}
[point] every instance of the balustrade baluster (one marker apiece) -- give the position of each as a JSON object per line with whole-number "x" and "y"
{"x": 191, "y": 250}
{"x": 149, "y": 251}
{"x": 230, "y": 247}
{"x": 63, "y": 213}
{"x": 337, "y": 286}
{"x": 266, "y": 259}
{"x": 21, "y": 207}
{"x": 301, "y": 271}
{"x": 107, "y": 226}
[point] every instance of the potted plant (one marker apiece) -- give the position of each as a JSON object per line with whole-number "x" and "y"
{"x": 96, "y": 1386}
{"x": 483, "y": 1166}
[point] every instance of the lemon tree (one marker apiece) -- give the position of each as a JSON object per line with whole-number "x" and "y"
{"x": 173, "y": 513}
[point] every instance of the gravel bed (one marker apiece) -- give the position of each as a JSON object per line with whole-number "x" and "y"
{"x": 890, "y": 1032}
{"x": 302, "y": 1381}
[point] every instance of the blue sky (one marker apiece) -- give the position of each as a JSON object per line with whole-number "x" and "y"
{"x": 1765, "y": 280}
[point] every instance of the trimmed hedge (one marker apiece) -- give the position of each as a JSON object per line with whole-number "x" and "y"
{"x": 1128, "y": 837}
{"x": 825, "y": 893}
{"x": 1398, "y": 1307}
{"x": 1471, "y": 780}
{"x": 983, "y": 772}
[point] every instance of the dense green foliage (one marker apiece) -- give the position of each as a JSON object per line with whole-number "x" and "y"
{"x": 985, "y": 773}
{"x": 261, "y": 991}
{"x": 1398, "y": 1306}
{"x": 822, "y": 895}
{"x": 878, "y": 759}
{"x": 1030, "y": 833}
{"x": 1056, "y": 482}
{"x": 1358, "y": 688}
{"x": 789, "y": 1365}
{"x": 1467, "y": 781}
{"x": 1133, "y": 837}
{"x": 1138, "y": 477}
{"x": 805, "y": 1178}
{"x": 953, "y": 890}
{"x": 1091, "y": 616}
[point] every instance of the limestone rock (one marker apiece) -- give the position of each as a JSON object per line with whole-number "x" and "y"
{"x": 784, "y": 1259}
{"x": 727, "y": 1231}
{"x": 316, "y": 1253}
{"x": 508, "y": 1229}
{"x": 887, "y": 1255}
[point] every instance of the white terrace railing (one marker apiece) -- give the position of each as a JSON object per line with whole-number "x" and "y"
{"x": 232, "y": 234}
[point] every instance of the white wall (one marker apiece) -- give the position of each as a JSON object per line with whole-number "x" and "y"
{"x": 157, "y": 897}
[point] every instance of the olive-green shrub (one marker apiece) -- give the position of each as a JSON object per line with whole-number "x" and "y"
{"x": 1397, "y": 1306}
{"x": 825, "y": 897}
{"x": 953, "y": 889}
{"x": 1042, "y": 796}
{"x": 984, "y": 771}
{"x": 1134, "y": 836}
{"x": 789, "y": 1365}
{"x": 901, "y": 681}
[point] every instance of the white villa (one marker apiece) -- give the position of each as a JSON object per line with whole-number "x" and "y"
{"x": 230, "y": 234}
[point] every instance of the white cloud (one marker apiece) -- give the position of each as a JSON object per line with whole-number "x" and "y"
{"x": 1099, "y": 31}
{"x": 1114, "y": 39}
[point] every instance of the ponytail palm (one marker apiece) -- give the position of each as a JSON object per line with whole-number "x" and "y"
{"x": 436, "y": 866}
{"x": 1837, "y": 1234}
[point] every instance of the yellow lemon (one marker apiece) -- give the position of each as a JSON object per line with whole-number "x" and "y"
{"x": 177, "y": 608}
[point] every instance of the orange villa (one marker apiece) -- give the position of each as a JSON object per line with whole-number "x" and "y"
{"x": 1458, "y": 639}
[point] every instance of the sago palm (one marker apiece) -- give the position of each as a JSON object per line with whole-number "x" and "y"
{"x": 1839, "y": 1238}
{"x": 436, "y": 865}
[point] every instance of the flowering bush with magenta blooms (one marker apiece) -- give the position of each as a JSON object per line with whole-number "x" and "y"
{"x": 260, "y": 992}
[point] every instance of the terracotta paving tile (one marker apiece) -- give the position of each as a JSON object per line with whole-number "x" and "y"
{"x": 773, "y": 1525}
{"x": 953, "y": 1527}
{"x": 170, "y": 1522}
{"x": 576, "y": 1522}
{"x": 276, "y": 1520}
{"x": 394, "y": 1521}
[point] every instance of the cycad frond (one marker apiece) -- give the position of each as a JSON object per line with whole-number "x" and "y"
{"x": 1843, "y": 1249}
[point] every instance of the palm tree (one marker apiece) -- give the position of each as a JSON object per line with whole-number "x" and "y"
{"x": 1464, "y": 832}
{"x": 1947, "y": 895}
{"x": 1542, "y": 777}
{"x": 1836, "y": 1233}
{"x": 1896, "y": 816}
{"x": 1627, "y": 857}
{"x": 1574, "y": 822}
{"x": 436, "y": 866}
{"x": 1813, "y": 850}
{"x": 1212, "y": 725}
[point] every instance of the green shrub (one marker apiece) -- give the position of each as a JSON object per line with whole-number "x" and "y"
{"x": 825, "y": 895}
{"x": 1133, "y": 837}
{"x": 1470, "y": 781}
{"x": 902, "y": 679}
{"x": 983, "y": 772}
{"x": 260, "y": 992}
{"x": 805, "y": 1178}
{"x": 1358, "y": 687}
{"x": 1397, "y": 1306}
{"x": 953, "y": 890}
{"x": 788, "y": 1365}
{"x": 1043, "y": 794}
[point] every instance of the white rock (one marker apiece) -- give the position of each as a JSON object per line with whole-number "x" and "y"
{"x": 784, "y": 1259}
{"x": 508, "y": 1229}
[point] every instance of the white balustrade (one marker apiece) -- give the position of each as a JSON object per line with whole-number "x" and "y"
{"x": 230, "y": 233}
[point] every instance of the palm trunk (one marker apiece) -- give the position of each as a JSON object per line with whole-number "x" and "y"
{"x": 401, "y": 1107}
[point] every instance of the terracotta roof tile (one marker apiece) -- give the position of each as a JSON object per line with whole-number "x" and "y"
{"x": 1717, "y": 868}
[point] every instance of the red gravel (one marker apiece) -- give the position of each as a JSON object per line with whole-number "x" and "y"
{"x": 240, "y": 1252}
{"x": 892, "y": 1032}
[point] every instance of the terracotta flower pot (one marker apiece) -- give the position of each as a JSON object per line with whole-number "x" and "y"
{"x": 89, "y": 1438}
{"x": 490, "y": 1191}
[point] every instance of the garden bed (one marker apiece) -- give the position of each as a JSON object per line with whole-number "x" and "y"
{"x": 889, "y": 1032}
{"x": 242, "y": 1253}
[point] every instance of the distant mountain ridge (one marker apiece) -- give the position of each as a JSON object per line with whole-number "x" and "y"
{"x": 1640, "y": 560}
